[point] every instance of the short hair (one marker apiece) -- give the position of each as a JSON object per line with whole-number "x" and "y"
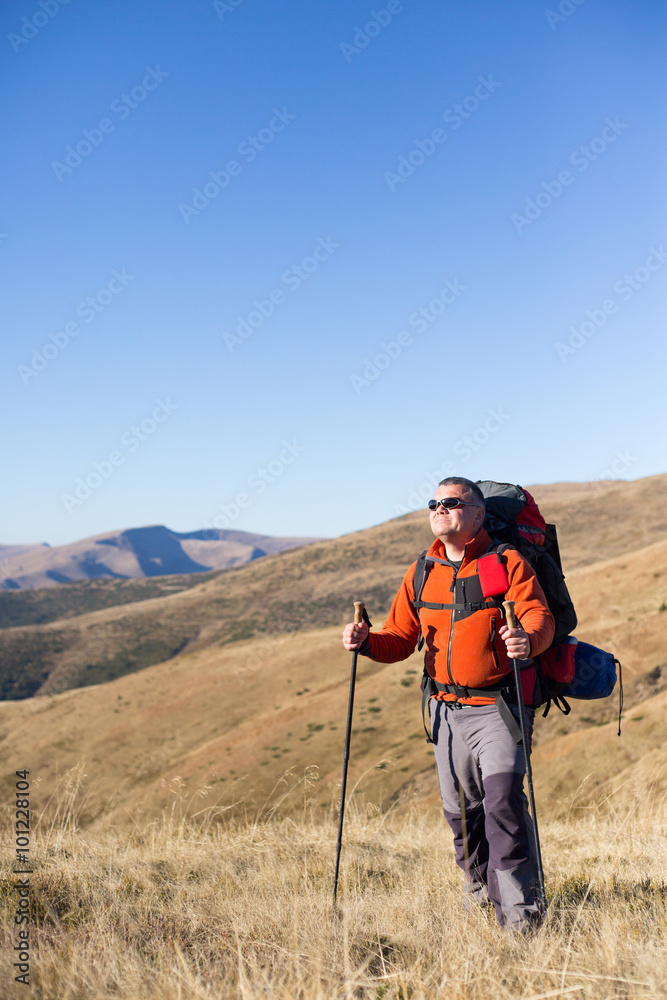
{"x": 470, "y": 487}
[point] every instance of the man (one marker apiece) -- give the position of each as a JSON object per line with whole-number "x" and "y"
{"x": 468, "y": 649}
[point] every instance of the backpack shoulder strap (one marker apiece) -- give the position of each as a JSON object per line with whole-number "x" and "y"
{"x": 418, "y": 580}
{"x": 500, "y": 547}
{"x": 419, "y": 575}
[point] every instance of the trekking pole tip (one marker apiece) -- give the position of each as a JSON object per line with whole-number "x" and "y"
{"x": 358, "y": 612}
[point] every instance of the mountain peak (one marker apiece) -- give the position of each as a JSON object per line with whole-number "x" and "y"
{"x": 133, "y": 553}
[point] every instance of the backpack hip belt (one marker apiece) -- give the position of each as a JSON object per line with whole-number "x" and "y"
{"x": 430, "y": 687}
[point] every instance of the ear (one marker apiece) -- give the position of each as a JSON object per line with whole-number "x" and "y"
{"x": 480, "y": 517}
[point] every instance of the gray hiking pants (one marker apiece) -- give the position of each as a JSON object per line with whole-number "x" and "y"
{"x": 481, "y": 772}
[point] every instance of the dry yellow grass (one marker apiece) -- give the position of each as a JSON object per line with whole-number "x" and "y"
{"x": 187, "y": 908}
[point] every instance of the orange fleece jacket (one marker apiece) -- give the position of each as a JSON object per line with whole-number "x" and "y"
{"x": 476, "y": 655}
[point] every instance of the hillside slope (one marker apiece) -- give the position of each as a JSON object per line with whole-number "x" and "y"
{"x": 48, "y": 604}
{"x": 302, "y": 588}
{"x": 236, "y": 720}
{"x": 256, "y": 687}
{"x": 599, "y": 520}
{"x": 315, "y": 586}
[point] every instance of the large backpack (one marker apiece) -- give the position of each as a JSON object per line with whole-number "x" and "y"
{"x": 513, "y": 517}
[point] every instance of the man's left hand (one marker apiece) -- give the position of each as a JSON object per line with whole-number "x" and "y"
{"x": 516, "y": 641}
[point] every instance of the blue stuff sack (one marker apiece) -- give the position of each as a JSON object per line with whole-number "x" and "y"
{"x": 594, "y": 673}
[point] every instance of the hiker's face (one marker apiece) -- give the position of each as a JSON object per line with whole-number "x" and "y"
{"x": 459, "y": 524}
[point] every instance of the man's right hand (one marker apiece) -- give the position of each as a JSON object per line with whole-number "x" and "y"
{"x": 354, "y": 636}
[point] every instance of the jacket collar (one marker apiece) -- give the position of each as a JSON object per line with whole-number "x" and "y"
{"x": 475, "y": 548}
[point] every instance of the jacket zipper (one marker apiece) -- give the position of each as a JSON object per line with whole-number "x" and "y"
{"x": 451, "y": 630}
{"x": 493, "y": 643}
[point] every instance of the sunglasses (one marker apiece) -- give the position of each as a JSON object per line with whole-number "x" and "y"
{"x": 449, "y": 503}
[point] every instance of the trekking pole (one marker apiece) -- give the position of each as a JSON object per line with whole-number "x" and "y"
{"x": 358, "y": 618}
{"x": 512, "y": 622}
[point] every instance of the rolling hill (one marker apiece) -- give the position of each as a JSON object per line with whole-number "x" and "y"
{"x": 225, "y": 726}
{"x": 314, "y": 586}
{"x": 289, "y": 591}
{"x": 254, "y": 681}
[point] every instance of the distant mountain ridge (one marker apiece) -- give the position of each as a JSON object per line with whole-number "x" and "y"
{"x": 135, "y": 553}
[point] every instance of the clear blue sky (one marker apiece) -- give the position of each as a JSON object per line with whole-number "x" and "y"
{"x": 506, "y": 148}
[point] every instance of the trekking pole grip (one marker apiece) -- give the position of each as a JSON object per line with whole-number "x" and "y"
{"x": 358, "y": 612}
{"x": 509, "y": 613}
